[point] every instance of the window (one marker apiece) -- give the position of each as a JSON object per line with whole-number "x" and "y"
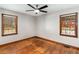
{"x": 68, "y": 25}
{"x": 9, "y": 24}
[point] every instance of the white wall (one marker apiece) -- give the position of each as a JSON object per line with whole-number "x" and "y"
{"x": 48, "y": 27}
{"x": 26, "y": 27}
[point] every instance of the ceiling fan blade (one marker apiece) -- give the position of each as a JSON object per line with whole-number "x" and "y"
{"x": 31, "y": 6}
{"x": 29, "y": 10}
{"x": 45, "y": 6}
{"x": 43, "y": 11}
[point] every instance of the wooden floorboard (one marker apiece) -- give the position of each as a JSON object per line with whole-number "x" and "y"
{"x": 36, "y": 45}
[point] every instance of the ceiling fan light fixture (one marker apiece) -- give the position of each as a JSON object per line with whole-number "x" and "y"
{"x": 36, "y": 11}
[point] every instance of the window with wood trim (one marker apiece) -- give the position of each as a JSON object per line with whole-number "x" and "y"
{"x": 69, "y": 24}
{"x": 9, "y": 24}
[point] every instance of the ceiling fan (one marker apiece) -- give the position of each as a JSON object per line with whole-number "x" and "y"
{"x": 37, "y": 9}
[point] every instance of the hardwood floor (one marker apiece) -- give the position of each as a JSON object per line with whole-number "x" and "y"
{"x": 37, "y": 45}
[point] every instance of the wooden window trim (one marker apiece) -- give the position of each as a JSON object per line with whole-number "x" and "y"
{"x": 76, "y": 26}
{"x": 16, "y": 23}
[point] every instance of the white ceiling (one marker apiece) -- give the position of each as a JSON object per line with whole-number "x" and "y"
{"x": 51, "y": 8}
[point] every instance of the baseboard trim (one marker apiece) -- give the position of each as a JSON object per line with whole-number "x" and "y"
{"x": 42, "y": 38}
{"x": 66, "y": 45}
{"x": 16, "y": 41}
